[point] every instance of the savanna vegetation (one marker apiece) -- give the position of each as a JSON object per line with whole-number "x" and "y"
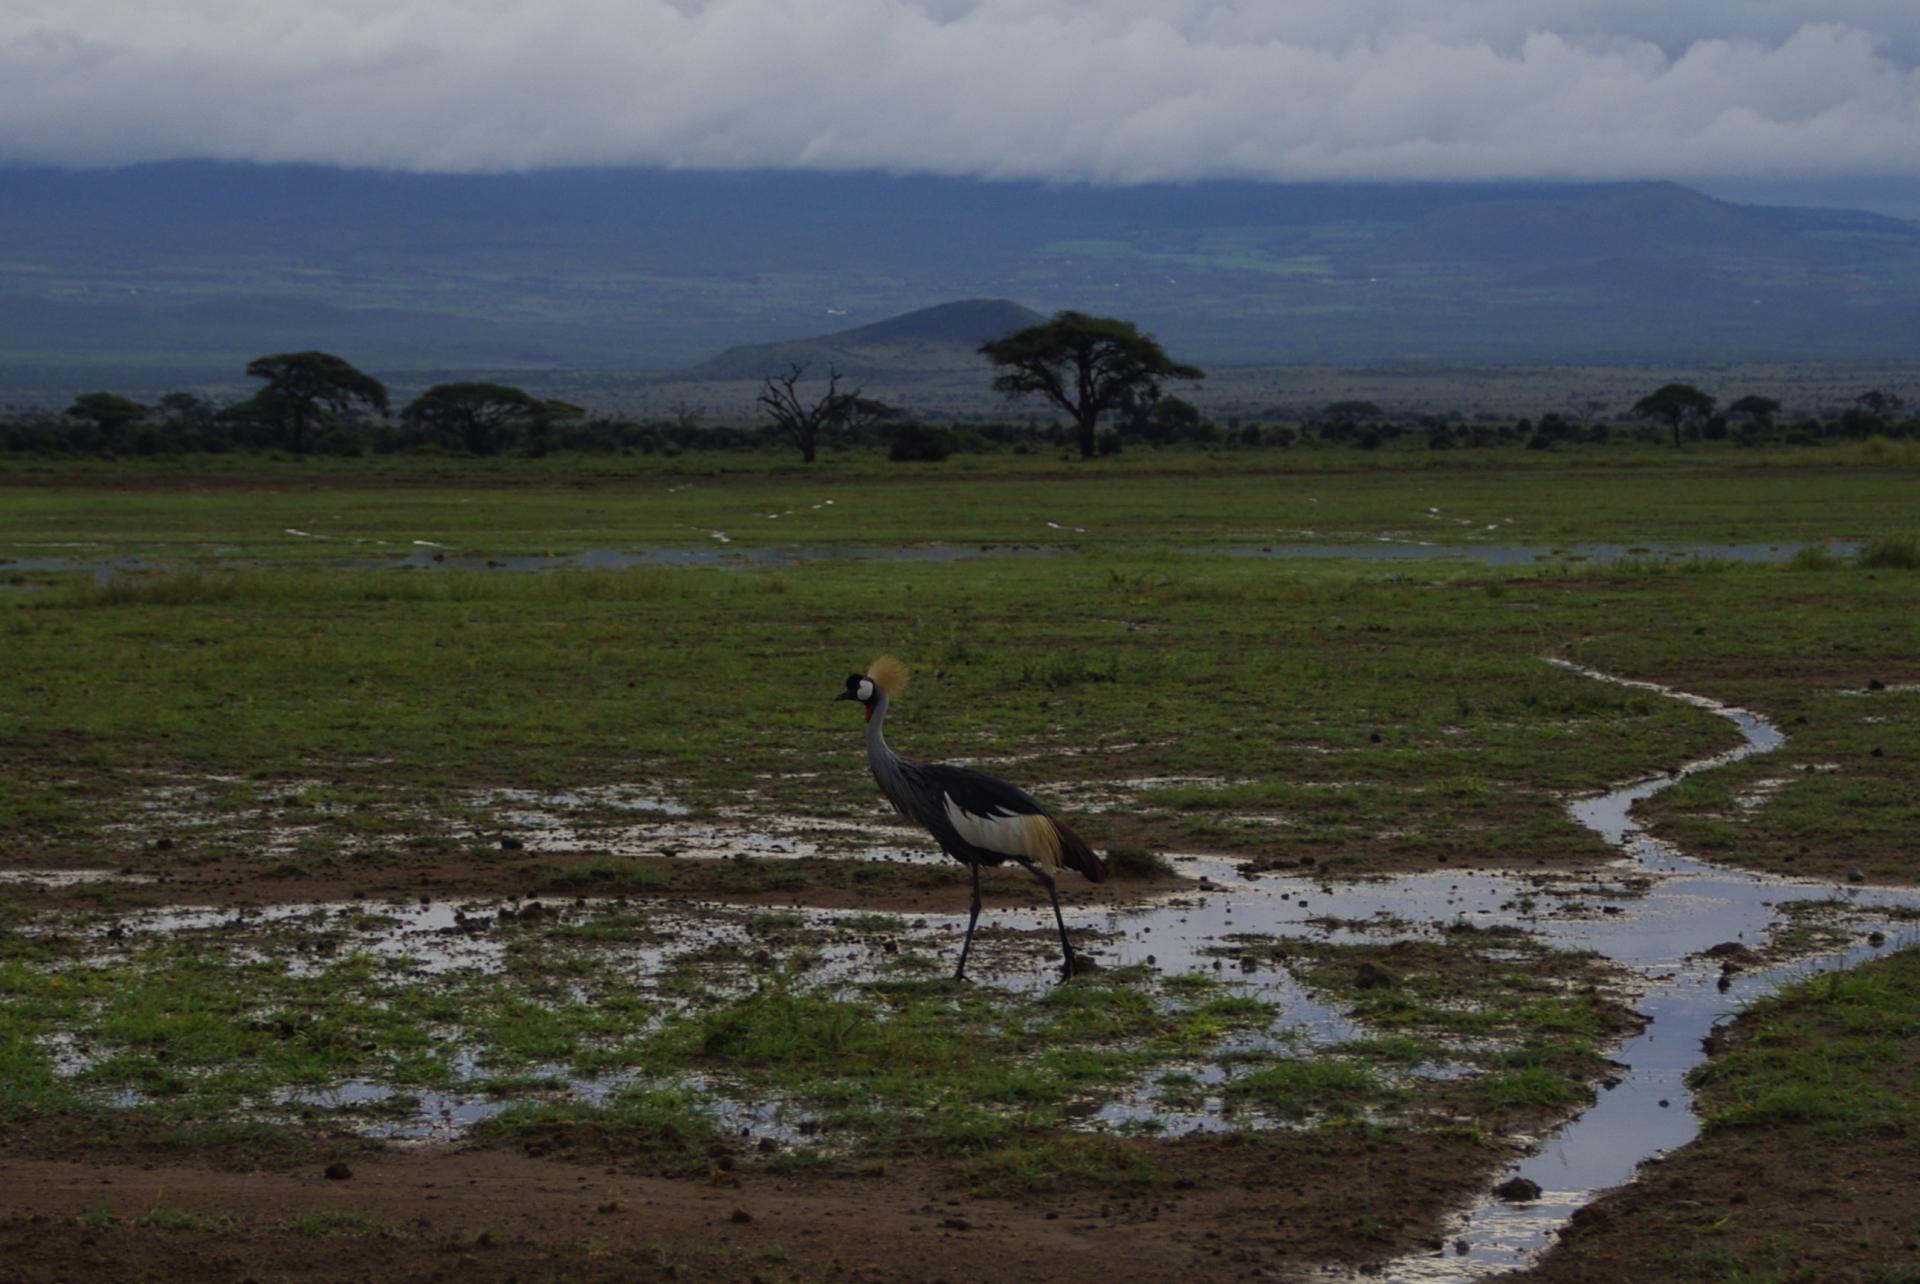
{"x": 312, "y": 749}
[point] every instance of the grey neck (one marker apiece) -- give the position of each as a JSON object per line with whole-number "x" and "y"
{"x": 883, "y": 762}
{"x": 877, "y": 749}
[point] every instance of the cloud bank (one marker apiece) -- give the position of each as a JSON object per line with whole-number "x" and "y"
{"x": 1101, "y": 90}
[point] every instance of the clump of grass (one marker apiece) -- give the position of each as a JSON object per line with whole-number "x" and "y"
{"x": 1894, "y": 553}
{"x": 1129, "y": 861}
{"x": 1295, "y": 1089}
{"x": 1828, "y": 1053}
{"x": 638, "y": 1118}
{"x": 605, "y": 874}
{"x": 1815, "y": 557}
{"x": 1062, "y": 1162}
{"x": 343, "y": 1221}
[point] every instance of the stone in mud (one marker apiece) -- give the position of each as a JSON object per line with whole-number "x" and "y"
{"x": 338, "y": 1171}
{"x": 1856, "y": 875}
{"x": 740, "y": 1215}
{"x": 511, "y": 844}
{"x": 1517, "y": 1190}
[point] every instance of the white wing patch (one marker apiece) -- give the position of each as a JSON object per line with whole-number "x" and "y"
{"x": 1009, "y": 833}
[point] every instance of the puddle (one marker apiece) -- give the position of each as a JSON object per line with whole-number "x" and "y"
{"x": 69, "y": 877}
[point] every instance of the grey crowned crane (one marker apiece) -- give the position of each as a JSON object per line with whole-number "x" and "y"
{"x": 976, "y": 819}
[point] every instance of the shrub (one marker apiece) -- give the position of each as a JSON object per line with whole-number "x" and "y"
{"x": 1896, "y": 553}
{"x": 925, "y": 442}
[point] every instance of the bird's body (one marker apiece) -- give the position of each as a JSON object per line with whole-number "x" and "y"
{"x": 977, "y": 819}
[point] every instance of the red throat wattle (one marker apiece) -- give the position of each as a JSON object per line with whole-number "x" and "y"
{"x": 869, "y": 713}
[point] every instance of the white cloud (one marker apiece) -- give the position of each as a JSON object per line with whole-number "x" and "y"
{"x": 1073, "y": 89}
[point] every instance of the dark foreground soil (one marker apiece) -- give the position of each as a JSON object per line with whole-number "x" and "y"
{"x": 1255, "y": 1209}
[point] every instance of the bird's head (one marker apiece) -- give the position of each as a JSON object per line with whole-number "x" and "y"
{"x": 884, "y": 678}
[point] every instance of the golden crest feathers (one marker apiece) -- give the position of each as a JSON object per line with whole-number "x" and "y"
{"x": 889, "y": 675}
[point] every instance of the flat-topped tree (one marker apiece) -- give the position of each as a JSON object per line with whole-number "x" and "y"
{"x": 111, "y": 413}
{"x": 301, "y": 384}
{"x": 1756, "y": 407}
{"x": 1085, "y": 365}
{"x": 1677, "y": 403}
{"x": 481, "y": 416}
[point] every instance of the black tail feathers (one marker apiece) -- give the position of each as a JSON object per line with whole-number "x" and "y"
{"x": 1075, "y": 854}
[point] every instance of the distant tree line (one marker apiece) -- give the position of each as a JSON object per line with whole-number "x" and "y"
{"x": 1107, "y": 377}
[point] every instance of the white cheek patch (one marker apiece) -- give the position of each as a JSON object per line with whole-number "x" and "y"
{"x": 866, "y": 688}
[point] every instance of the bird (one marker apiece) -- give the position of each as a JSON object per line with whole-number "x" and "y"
{"x": 975, "y": 818}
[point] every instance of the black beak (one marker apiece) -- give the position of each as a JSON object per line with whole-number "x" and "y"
{"x": 844, "y": 695}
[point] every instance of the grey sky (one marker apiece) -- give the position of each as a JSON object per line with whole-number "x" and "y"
{"x": 1770, "y": 91}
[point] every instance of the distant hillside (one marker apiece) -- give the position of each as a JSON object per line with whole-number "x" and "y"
{"x": 1647, "y": 221}
{"x": 159, "y": 277}
{"x": 936, "y": 338}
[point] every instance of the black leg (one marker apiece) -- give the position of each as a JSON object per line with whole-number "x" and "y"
{"x": 960, "y": 973}
{"x": 1053, "y": 894}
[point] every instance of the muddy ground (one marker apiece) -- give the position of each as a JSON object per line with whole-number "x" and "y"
{"x": 1256, "y": 1208}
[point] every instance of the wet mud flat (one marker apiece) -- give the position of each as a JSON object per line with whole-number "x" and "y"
{"x": 1238, "y": 1022}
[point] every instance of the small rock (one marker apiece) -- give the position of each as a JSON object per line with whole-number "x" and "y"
{"x": 1856, "y": 875}
{"x": 1664, "y": 1103}
{"x": 611, "y": 1206}
{"x": 740, "y": 1214}
{"x": 511, "y": 844}
{"x": 1876, "y": 939}
{"x": 163, "y": 844}
{"x": 1878, "y": 752}
{"x": 956, "y": 1223}
{"x": 767, "y": 1146}
{"x": 1517, "y": 1190}
{"x": 337, "y": 1171}
{"x": 1875, "y": 684}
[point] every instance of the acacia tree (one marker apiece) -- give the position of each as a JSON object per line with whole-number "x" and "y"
{"x": 480, "y": 415}
{"x": 1757, "y": 408}
{"x": 301, "y": 384}
{"x": 1085, "y": 365}
{"x": 110, "y": 412}
{"x": 800, "y": 420}
{"x": 1677, "y": 403}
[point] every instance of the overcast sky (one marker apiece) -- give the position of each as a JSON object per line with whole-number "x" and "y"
{"x": 1755, "y": 91}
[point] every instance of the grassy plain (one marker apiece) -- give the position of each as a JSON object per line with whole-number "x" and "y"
{"x": 254, "y": 717}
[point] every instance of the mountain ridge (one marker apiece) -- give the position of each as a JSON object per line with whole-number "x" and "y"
{"x": 158, "y": 276}
{"x": 937, "y": 337}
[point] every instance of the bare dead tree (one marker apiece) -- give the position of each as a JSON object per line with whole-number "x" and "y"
{"x": 686, "y": 415}
{"x": 798, "y": 419}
